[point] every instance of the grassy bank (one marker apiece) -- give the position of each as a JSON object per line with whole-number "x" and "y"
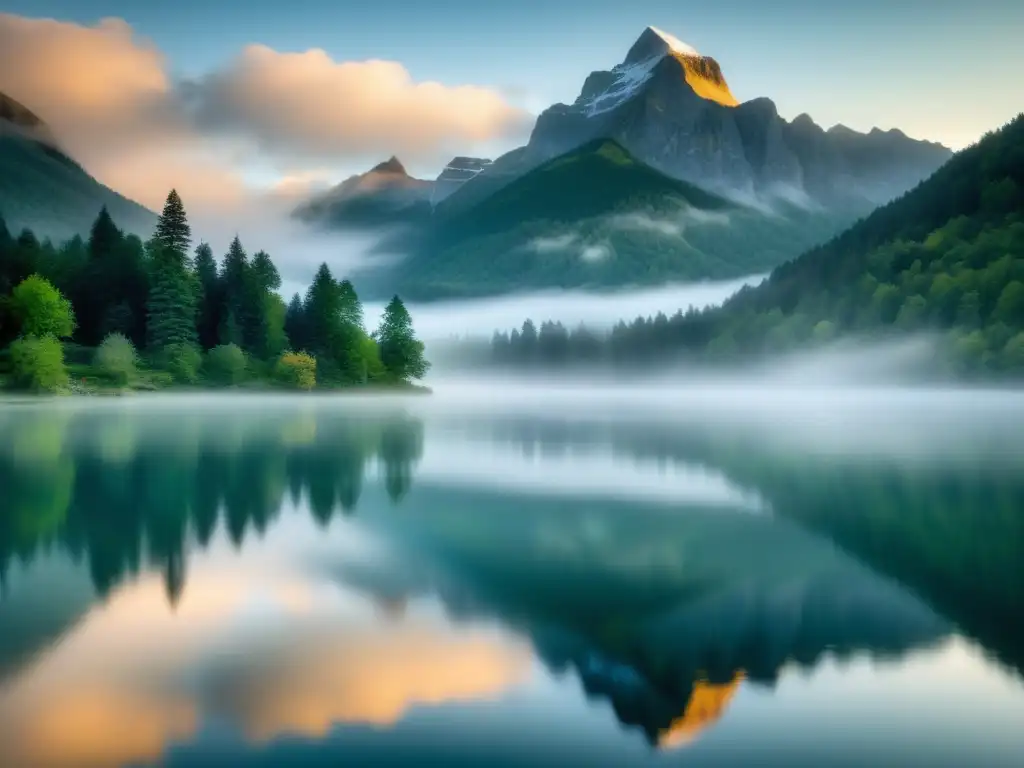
{"x": 86, "y": 377}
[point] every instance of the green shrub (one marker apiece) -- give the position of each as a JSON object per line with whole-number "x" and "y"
{"x": 182, "y": 361}
{"x": 226, "y": 364}
{"x": 296, "y": 369}
{"x": 37, "y": 363}
{"x": 41, "y": 309}
{"x": 116, "y": 359}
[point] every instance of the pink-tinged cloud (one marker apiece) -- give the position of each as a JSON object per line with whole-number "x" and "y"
{"x": 108, "y": 100}
{"x": 107, "y": 97}
{"x": 307, "y": 104}
{"x": 99, "y": 88}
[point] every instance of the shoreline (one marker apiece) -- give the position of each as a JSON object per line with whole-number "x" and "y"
{"x": 8, "y": 395}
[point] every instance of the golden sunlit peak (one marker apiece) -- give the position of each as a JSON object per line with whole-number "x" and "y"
{"x": 702, "y": 73}
{"x": 704, "y": 76}
{"x": 706, "y": 706}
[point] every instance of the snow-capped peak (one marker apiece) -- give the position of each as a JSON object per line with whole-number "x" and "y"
{"x": 604, "y": 91}
{"x": 675, "y": 43}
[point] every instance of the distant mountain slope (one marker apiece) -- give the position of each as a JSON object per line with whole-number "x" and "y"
{"x": 947, "y": 256}
{"x": 384, "y": 196}
{"x": 594, "y": 180}
{"x": 45, "y": 190}
{"x": 595, "y": 216}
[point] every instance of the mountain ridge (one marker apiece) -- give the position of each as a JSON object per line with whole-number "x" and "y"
{"x": 44, "y": 189}
{"x": 593, "y": 217}
{"x": 941, "y": 263}
{"x": 672, "y": 108}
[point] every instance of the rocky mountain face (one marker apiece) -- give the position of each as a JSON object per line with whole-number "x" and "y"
{"x": 673, "y": 109}
{"x": 458, "y": 171}
{"x": 387, "y": 194}
{"x": 43, "y": 189}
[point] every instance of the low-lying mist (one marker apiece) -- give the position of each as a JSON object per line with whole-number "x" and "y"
{"x": 913, "y": 360}
{"x": 480, "y": 318}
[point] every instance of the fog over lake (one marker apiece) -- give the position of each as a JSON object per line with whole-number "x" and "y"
{"x": 814, "y": 561}
{"x": 479, "y": 318}
{"x": 525, "y": 573}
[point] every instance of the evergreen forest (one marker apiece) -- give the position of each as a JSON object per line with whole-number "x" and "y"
{"x": 111, "y": 313}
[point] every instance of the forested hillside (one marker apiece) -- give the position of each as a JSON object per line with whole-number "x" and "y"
{"x": 596, "y": 217}
{"x": 948, "y": 256}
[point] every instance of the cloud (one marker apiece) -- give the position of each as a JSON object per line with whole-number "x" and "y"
{"x": 107, "y": 95}
{"x": 596, "y": 252}
{"x": 309, "y": 105}
{"x": 571, "y": 242}
{"x": 98, "y": 87}
{"x": 670, "y": 226}
{"x": 108, "y": 99}
{"x": 553, "y": 244}
{"x": 644, "y": 222}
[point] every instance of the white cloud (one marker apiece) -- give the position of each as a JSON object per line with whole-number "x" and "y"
{"x": 309, "y": 105}
{"x": 553, "y": 244}
{"x": 108, "y": 97}
{"x": 596, "y": 252}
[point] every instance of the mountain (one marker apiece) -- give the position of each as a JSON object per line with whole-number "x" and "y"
{"x": 44, "y": 189}
{"x": 946, "y": 257}
{"x": 595, "y": 216}
{"x": 458, "y": 171}
{"x": 540, "y": 217}
{"x": 673, "y": 109}
{"x": 385, "y": 195}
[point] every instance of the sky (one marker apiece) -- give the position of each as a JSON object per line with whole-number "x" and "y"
{"x": 224, "y": 99}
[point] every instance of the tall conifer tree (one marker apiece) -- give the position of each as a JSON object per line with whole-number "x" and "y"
{"x": 209, "y": 298}
{"x": 172, "y": 229}
{"x": 400, "y": 351}
{"x": 171, "y": 307}
{"x": 235, "y": 281}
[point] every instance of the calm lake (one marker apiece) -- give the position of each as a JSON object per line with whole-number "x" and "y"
{"x": 557, "y": 576}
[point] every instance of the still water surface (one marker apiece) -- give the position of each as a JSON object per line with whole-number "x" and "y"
{"x": 786, "y": 578}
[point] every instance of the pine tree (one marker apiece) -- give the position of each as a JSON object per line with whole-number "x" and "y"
{"x": 134, "y": 289}
{"x": 264, "y": 319}
{"x": 172, "y": 229}
{"x": 209, "y": 298}
{"x": 267, "y": 276}
{"x": 96, "y": 291}
{"x": 171, "y": 306}
{"x": 351, "y": 308}
{"x": 348, "y": 351}
{"x": 400, "y": 351}
{"x": 104, "y": 237}
{"x": 322, "y": 310}
{"x": 235, "y": 282}
{"x": 295, "y": 324}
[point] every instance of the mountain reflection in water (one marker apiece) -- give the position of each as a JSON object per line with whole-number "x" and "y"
{"x": 298, "y": 582}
